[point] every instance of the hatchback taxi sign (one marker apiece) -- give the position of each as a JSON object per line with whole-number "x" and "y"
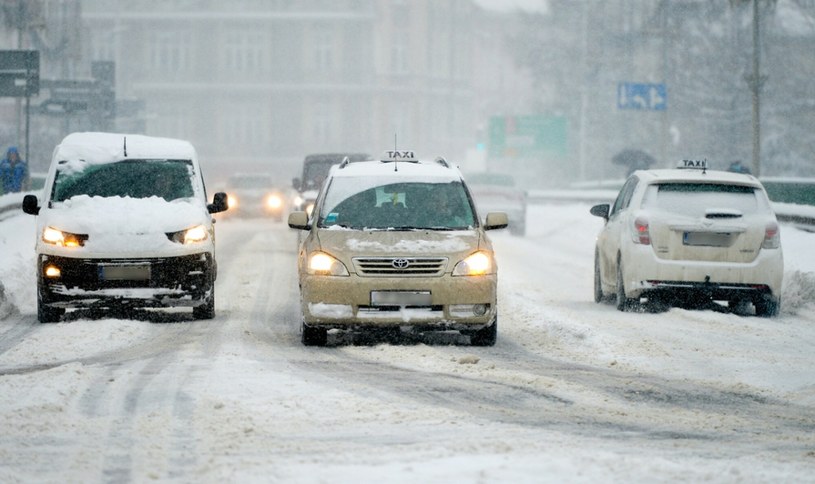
{"x": 692, "y": 164}
{"x": 394, "y": 155}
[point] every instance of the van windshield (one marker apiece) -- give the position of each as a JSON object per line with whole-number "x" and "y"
{"x": 168, "y": 179}
{"x": 401, "y": 205}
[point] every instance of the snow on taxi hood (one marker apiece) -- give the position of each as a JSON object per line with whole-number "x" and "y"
{"x": 110, "y": 220}
{"x": 390, "y": 242}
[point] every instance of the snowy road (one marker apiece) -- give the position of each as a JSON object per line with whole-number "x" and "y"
{"x": 572, "y": 391}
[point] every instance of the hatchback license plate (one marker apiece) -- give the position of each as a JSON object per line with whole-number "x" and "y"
{"x": 707, "y": 239}
{"x": 125, "y": 273}
{"x": 400, "y": 298}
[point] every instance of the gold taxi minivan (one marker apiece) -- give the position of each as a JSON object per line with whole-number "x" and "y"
{"x": 397, "y": 243}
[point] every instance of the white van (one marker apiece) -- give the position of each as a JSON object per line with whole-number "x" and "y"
{"x": 124, "y": 222}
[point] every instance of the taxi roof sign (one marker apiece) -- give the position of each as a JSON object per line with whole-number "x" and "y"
{"x": 399, "y": 155}
{"x": 692, "y": 164}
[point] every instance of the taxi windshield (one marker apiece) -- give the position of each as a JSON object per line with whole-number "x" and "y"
{"x": 168, "y": 179}
{"x": 401, "y": 205}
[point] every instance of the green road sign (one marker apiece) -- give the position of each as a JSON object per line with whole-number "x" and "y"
{"x": 528, "y": 136}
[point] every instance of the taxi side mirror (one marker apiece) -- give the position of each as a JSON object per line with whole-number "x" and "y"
{"x": 496, "y": 220}
{"x": 298, "y": 220}
{"x": 219, "y": 203}
{"x": 31, "y": 205}
{"x": 600, "y": 210}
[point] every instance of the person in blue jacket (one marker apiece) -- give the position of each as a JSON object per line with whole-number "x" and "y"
{"x": 13, "y": 172}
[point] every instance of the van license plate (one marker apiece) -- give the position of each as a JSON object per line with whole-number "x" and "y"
{"x": 400, "y": 298}
{"x": 125, "y": 273}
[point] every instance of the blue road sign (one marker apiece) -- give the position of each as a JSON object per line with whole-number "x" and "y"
{"x": 642, "y": 96}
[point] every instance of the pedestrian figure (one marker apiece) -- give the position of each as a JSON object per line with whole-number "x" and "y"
{"x": 13, "y": 172}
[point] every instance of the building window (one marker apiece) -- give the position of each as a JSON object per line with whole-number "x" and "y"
{"x": 244, "y": 51}
{"x": 321, "y": 131}
{"x": 171, "y": 52}
{"x": 323, "y": 49}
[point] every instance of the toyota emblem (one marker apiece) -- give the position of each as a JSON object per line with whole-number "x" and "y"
{"x": 400, "y": 263}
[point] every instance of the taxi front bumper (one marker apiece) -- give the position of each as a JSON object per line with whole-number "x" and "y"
{"x": 445, "y": 302}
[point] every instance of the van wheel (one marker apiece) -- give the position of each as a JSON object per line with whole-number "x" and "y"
{"x": 485, "y": 336}
{"x": 206, "y": 310}
{"x": 311, "y": 336}
{"x": 46, "y": 314}
{"x": 623, "y": 303}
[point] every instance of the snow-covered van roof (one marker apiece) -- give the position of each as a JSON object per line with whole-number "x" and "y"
{"x": 111, "y": 147}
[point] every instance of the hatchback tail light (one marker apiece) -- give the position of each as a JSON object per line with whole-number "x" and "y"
{"x": 772, "y": 236}
{"x": 641, "y": 234}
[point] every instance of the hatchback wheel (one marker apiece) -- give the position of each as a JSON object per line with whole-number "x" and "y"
{"x": 767, "y": 306}
{"x": 623, "y": 303}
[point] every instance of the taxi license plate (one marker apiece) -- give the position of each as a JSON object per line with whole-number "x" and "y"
{"x": 124, "y": 273}
{"x": 400, "y": 298}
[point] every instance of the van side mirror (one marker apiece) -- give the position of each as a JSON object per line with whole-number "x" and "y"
{"x": 31, "y": 205}
{"x": 219, "y": 203}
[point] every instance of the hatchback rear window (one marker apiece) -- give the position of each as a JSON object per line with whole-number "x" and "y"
{"x": 696, "y": 199}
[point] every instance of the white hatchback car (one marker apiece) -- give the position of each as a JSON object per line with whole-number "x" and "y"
{"x": 124, "y": 223}
{"x": 689, "y": 236}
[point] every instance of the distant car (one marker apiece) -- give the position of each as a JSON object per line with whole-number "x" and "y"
{"x": 497, "y": 192}
{"x": 315, "y": 170}
{"x": 689, "y": 236}
{"x": 124, "y": 223}
{"x": 397, "y": 243}
{"x": 255, "y": 195}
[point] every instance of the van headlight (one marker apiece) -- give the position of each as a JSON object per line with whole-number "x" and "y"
{"x": 53, "y": 236}
{"x": 476, "y": 264}
{"x": 193, "y": 235}
{"x": 322, "y": 264}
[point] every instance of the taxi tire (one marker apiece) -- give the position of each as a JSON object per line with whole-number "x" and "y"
{"x": 311, "y": 336}
{"x": 485, "y": 336}
{"x": 623, "y": 303}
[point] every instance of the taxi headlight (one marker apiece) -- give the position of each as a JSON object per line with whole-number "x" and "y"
{"x": 192, "y": 235}
{"x": 53, "y": 236}
{"x": 476, "y": 264}
{"x": 320, "y": 263}
{"x": 274, "y": 202}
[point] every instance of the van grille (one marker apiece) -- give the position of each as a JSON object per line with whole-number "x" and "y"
{"x": 400, "y": 266}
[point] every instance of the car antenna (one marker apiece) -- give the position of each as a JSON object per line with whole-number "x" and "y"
{"x": 395, "y": 168}
{"x": 125, "y": 146}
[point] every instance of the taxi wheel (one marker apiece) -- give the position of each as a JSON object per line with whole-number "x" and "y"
{"x": 623, "y": 303}
{"x": 313, "y": 336}
{"x": 485, "y": 336}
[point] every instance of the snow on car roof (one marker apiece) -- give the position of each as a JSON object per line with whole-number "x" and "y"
{"x": 699, "y": 176}
{"x": 421, "y": 169}
{"x": 99, "y": 148}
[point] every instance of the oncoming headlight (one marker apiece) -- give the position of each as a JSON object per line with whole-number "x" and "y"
{"x": 320, "y": 263}
{"x": 52, "y": 236}
{"x": 192, "y": 235}
{"x": 476, "y": 264}
{"x": 232, "y": 201}
{"x": 274, "y": 201}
